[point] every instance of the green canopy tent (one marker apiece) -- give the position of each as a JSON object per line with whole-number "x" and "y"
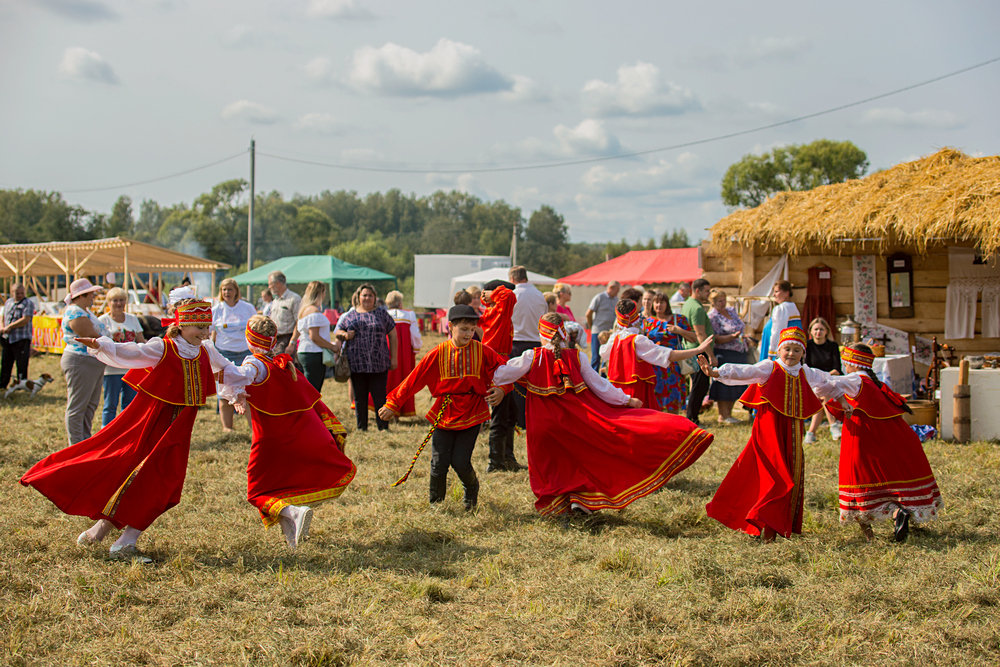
{"x": 301, "y": 269}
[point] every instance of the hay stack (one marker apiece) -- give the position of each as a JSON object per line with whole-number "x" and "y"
{"x": 945, "y": 197}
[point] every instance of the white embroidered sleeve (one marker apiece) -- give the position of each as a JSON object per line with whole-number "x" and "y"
{"x": 129, "y": 355}
{"x": 745, "y": 374}
{"x": 514, "y": 369}
{"x": 835, "y": 386}
{"x": 603, "y": 389}
{"x": 647, "y": 350}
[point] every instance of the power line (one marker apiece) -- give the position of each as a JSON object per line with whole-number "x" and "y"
{"x": 622, "y": 156}
{"x": 159, "y": 178}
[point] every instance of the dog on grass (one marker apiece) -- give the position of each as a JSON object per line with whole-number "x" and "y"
{"x": 34, "y": 386}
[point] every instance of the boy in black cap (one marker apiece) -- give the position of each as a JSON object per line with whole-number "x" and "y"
{"x": 459, "y": 374}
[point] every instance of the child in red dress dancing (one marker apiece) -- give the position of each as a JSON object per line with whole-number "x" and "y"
{"x": 458, "y": 373}
{"x": 296, "y": 452}
{"x": 884, "y": 473}
{"x": 133, "y": 470}
{"x": 763, "y": 492}
{"x": 631, "y": 356}
{"x": 589, "y": 447}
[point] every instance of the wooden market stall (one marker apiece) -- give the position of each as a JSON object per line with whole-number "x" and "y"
{"x": 912, "y": 249}
{"x": 47, "y": 268}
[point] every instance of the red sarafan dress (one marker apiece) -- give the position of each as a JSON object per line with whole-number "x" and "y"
{"x": 764, "y": 487}
{"x": 584, "y": 450}
{"x": 296, "y": 451}
{"x": 132, "y": 470}
{"x": 635, "y": 376}
{"x": 882, "y": 463}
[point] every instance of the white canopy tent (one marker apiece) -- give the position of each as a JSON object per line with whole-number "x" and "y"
{"x": 498, "y": 273}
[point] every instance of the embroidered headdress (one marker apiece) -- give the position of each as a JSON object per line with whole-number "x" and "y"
{"x": 857, "y": 358}
{"x": 195, "y": 313}
{"x": 547, "y": 331}
{"x": 627, "y": 314}
{"x": 794, "y": 335}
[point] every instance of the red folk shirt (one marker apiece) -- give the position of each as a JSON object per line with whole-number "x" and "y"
{"x": 498, "y": 327}
{"x": 463, "y": 373}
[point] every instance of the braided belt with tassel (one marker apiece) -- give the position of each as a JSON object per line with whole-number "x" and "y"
{"x": 437, "y": 419}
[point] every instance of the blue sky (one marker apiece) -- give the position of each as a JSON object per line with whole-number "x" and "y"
{"x": 99, "y": 93}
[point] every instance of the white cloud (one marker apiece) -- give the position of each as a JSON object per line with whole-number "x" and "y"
{"x": 467, "y": 183}
{"x": 85, "y": 65}
{"x": 449, "y": 69}
{"x": 338, "y": 9}
{"x": 320, "y": 70}
{"x": 639, "y": 90}
{"x": 774, "y": 48}
{"x": 250, "y": 112}
{"x": 685, "y": 178}
{"x": 322, "y": 123}
{"x": 525, "y": 90}
{"x": 896, "y": 117}
{"x": 86, "y": 11}
{"x": 590, "y": 137}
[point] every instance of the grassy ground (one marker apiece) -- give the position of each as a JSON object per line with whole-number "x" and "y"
{"x": 387, "y": 579}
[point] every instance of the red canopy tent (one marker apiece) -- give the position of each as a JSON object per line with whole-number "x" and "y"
{"x": 643, "y": 267}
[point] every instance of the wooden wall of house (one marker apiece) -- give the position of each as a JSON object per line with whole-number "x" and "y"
{"x": 738, "y": 269}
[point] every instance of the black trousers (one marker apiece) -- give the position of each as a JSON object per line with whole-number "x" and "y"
{"x": 699, "y": 388}
{"x": 365, "y": 384}
{"x": 453, "y": 449}
{"x": 16, "y": 353}
{"x": 315, "y": 370}
{"x": 502, "y": 422}
{"x": 519, "y": 399}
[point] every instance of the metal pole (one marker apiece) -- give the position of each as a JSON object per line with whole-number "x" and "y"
{"x": 250, "y": 210}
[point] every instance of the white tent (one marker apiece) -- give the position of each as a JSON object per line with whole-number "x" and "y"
{"x": 497, "y": 273}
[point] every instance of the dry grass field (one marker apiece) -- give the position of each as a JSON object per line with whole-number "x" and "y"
{"x": 387, "y": 579}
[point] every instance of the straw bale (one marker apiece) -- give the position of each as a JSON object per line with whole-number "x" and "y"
{"x": 944, "y": 197}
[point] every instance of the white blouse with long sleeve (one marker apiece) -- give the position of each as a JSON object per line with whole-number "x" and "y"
{"x": 645, "y": 349}
{"x": 518, "y": 367}
{"x": 780, "y": 316}
{"x": 846, "y": 385}
{"x": 400, "y": 315}
{"x": 747, "y": 374}
{"x": 148, "y": 354}
{"x": 252, "y": 370}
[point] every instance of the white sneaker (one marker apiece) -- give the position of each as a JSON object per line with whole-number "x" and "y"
{"x": 835, "y": 431}
{"x": 288, "y": 530}
{"x": 810, "y": 438}
{"x": 577, "y": 508}
{"x": 303, "y": 518}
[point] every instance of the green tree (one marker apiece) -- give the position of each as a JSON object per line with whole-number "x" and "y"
{"x": 545, "y": 241}
{"x": 754, "y": 178}
{"x": 122, "y": 220}
{"x": 675, "y": 239}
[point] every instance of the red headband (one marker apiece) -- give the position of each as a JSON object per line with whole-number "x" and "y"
{"x": 260, "y": 340}
{"x": 857, "y": 358}
{"x": 626, "y": 320}
{"x": 547, "y": 331}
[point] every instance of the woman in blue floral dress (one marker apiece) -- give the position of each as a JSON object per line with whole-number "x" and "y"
{"x": 665, "y": 328}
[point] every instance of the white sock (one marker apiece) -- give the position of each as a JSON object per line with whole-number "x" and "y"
{"x": 128, "y": 537}
{"x": 97, "y": 532}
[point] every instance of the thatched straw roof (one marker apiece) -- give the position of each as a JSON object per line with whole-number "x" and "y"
{"x": 945, "y": 197}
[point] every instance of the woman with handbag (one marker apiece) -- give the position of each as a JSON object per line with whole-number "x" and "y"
{"x": 730, "y": 348}
{"x": 313, "y": 334}
{"x": 669, "y": 330}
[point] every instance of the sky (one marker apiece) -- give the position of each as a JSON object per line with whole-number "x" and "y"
{"x": 367, "y": 96}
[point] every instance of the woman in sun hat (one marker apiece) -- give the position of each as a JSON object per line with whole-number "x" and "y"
{"x": 84, "y": 374}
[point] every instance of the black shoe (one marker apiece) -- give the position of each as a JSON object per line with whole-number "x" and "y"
{"x": 438, "y": 488}
{"x": 493, "y": 467}
{"x": 901, "y": 527}
{"x": 513, "y": 466}
{"x": 471, "y": 497}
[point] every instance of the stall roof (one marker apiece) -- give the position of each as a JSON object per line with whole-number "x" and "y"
{"x": 643, "y": 267}
{"x": 300, "y": 269}
{"x": 95, "y": 257}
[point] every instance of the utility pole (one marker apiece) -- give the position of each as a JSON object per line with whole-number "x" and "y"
{"x": 250, "y": 209}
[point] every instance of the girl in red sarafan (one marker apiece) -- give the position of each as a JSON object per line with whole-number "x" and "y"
{"x": 296, "y": 452}
{"x": 884, "y": 473}
{"x": 631, "y": 356}
{"x": 762, "y": 494}
{"x": 133, "y": 470}
{"x": 589, "y": 448}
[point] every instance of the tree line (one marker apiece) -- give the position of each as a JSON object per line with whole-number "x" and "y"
{"x": 381, "y": 230}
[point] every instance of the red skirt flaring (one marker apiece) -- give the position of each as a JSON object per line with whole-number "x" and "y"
{"x": 882, "y": 467}
{"x": 582, "y": 450}
{"x": 764, "y": 486}
{"x": 296, "y": 459}
{"x": 130, "y": 472}
{"x": 644, "y": 391}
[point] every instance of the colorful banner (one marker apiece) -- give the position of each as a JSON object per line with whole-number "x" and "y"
{"x": 46, "y": 335}
{"x": 864, "y": 289}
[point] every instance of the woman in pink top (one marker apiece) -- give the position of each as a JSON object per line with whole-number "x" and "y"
{"x": 563, "y": 295}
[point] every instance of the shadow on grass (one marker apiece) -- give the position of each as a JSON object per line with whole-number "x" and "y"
{"x": 430, "y": 552}
{"x": 696, "y": 487}
{"x": 21, "y": 399}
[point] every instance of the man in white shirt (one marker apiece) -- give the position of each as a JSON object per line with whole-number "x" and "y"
{"x": 284, "y": 309}
{"x": 678, "y": 298}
